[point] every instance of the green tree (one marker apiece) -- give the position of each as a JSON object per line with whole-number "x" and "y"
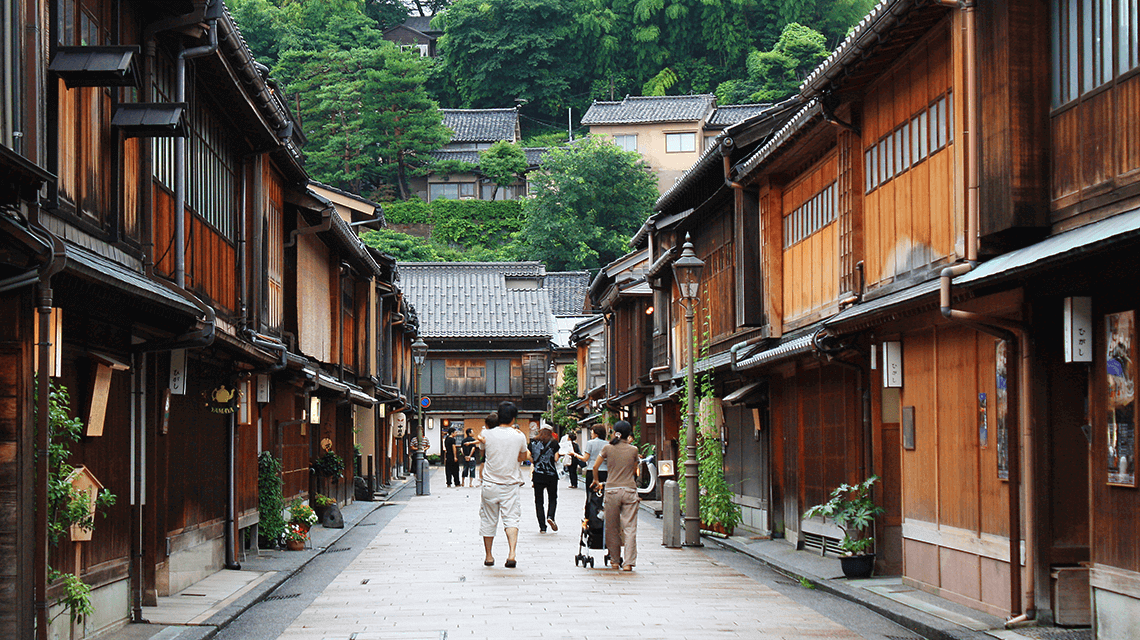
{"x": 586, "y": 201}
{"x": 366, "y": 114}
{"x": 501, "y": 50}
{"x": 566, "y": 393}
{"x": 776, "y": 74}
{"x": 404, "y": 247}
{"x": 503, "y": 164}
{"x": 317, "y": 25}
{"x": 409, "y": 124}
{"x": 261, "y": 26}
{"x": 386, "y": 13}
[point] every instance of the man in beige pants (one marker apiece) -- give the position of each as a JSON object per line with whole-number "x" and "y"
{"x": 621, "y": 496}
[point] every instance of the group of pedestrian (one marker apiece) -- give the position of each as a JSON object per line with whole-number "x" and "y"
{"x": 456, "y": 450}
{"x": 615, "y": 468}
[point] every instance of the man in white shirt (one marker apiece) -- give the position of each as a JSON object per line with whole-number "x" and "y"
{"x": 504, "y": 448}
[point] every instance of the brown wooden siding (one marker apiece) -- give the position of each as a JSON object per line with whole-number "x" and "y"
{"x": 275, "y": 248}
{"x": 810, "y": 265}
{"x": 850, "y": 212}
{"x": 1096, "y": 148}
{"x": 713, "y": 243}
{"x": 632, "y": 345}
{"x": 949, "y": 475}
{"x": 210, "y": 258}
{"x": 910, "y": 218}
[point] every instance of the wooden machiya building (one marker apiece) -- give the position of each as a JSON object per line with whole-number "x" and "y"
{"x": 928, "y": 280}
{"x": 489, "y": 330}
{"x": 192, "y": 295}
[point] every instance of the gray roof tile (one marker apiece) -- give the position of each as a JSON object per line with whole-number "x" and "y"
{"x": 730, "y": 114}
{"x": 533, "y": 155}
{"x": 481, "y": 125}
{"x": 646, "y": 109}
{"x": 568, "y": 291}
{"x": 471, "y": 300}
{"x": 422, "y": 24}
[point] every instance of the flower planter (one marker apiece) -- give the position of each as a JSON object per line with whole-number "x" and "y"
{"x": 716, "y": 528}
{"x": 858, "y": 566}
{"x": 295, "y": 545}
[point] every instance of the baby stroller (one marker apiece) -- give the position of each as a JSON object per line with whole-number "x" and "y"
{"x": 593, "y": 528}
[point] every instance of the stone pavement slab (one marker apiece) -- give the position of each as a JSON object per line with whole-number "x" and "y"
{"x": 422, "y": 576}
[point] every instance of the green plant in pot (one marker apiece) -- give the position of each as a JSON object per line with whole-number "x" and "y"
{"x": 853, "y": 511}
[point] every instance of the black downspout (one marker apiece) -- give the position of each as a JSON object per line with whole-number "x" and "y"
{"x": 231, "y": 561}
{"x": 43, "y": 440}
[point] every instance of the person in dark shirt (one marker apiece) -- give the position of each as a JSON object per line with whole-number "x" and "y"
{"x": 451, "y": 458}
{"x": 544, "y": 453}
{"x": 469, "y": 450}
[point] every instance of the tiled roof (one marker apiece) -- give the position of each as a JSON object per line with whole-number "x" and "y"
{"x": 647, "y": 109}
{"x": 421, "y": 24}
{"x": 471, "y": 300}
{"x": 568, "y": 291}
{"x": 481, "y": 125}
{"x": 533, "y": 155}
{"x": 730, "y": 114}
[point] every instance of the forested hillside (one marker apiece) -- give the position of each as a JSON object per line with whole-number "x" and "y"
{"x": 370, "y": 110}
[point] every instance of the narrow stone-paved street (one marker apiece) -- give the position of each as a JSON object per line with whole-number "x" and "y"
{"x": 422, "y": 576}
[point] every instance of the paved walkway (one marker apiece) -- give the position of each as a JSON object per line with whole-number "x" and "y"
{"x": 422, "y": 576}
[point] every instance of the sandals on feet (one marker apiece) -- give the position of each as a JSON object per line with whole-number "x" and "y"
{"x": 510, "y": 564}
{"x": 488, "y": 563}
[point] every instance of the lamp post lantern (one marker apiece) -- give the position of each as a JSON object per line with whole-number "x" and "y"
{"x": 687, "y": 274}
{"x": 551, "y": 380}
{"x": 419, "y": 356}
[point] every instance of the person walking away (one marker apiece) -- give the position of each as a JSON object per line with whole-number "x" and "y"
{"x": 504, "y": 449}
{"x": 574, "y": 455}
{"x": 622, "y": 500}
{"x": 467, "y": 448}
{"x": 451, "y": 458}
{"x": 590, "y": 456}
{"x": 544, "y": 452}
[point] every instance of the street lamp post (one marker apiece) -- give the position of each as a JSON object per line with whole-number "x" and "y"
{"x": 419, "y": 355}
{"x": 687, "y": 273}
{"x": 551, "y": 380}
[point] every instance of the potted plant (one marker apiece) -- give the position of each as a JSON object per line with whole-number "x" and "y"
{"x": 853, "y": 511}
{"x": 301, "y": 514}
{"x": 321, "y": 504}
{"x": 329, "y": 465}
{"x": 295, "y": 537}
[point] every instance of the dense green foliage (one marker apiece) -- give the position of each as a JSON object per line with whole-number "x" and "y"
{"x": 776, "y": 74}
{"x": 462, "y": 230}
{"x": 370, "y": 109}
{"x": 503, "y": 163}
{"x": 560, "y": 414}
{"x": 67, "y": 506}
{"x": 367, "y": 115}
{"x": 716, "y": 504}
{"x": 496, "y": 51}
{"x": 270, "y": 502}
{"x": 587, "y": 200}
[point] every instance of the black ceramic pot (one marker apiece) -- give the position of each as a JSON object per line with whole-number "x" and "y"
{"x": 858, "y": 566}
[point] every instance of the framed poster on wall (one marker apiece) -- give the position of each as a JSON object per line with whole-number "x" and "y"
{"x": 1120, "y": 365}
{"x": 1001, "y": 409}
